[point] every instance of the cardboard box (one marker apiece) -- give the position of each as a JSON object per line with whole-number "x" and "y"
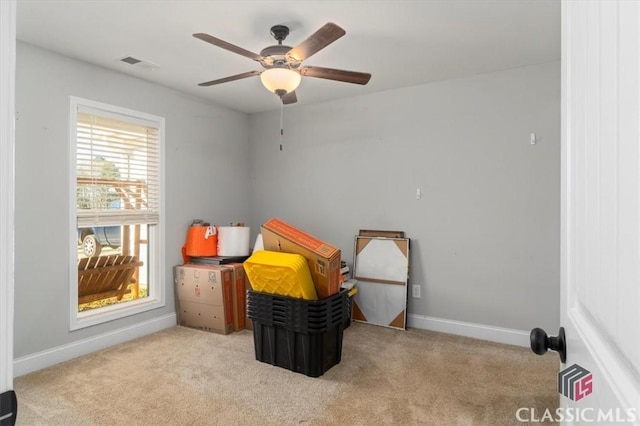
{"x": 323, "y": 258}
{"x": 239, "y": 296}
{"x": 204, "y": 297}
{"x": 204, "y": 317}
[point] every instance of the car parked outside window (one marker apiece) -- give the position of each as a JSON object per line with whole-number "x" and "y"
{"x": 94, "y": 238}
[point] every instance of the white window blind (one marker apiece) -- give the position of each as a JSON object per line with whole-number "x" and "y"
{"x": 117, "y": 169}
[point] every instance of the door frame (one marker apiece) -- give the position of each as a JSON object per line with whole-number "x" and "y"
{"x": 7, "y": 188}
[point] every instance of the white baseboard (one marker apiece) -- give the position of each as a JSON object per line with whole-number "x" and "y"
{"x": 468, "y": 329}
{"x": 49, "y": 357}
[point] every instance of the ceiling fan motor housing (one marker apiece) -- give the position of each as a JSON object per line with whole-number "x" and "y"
{"x": 276, "y": 57}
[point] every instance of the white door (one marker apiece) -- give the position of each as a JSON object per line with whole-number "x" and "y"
{"x": 600, "y": 283}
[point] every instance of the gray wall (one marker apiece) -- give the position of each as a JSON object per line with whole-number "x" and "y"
{"x": 205, "y": 146}
{"x": 485, "y": 235}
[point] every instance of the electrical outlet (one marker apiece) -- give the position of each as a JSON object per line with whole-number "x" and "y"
{"x": 415, "y": 291}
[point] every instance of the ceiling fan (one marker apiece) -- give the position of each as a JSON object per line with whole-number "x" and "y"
{"x": 282, "y": 64}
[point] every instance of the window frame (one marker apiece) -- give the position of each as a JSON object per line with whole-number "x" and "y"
{"x": 156, "y": 297}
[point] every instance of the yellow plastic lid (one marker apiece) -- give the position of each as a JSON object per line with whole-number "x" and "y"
{"x": 286, "y": 274}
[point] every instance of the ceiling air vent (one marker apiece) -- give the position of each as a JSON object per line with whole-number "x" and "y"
{"x": 131, "y": 60}
{"x": 140, "y": 63}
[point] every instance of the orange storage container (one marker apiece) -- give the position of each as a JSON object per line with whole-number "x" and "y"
{"x": 202, "y": 241}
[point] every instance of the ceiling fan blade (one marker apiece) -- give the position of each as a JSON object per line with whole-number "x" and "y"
{"x": 290, "y": 98}
{"x": 319, "y": 40}
{"x": 228, "y": 46}
{"x": 334, "y": 74}
{"x": 230, "y": 78}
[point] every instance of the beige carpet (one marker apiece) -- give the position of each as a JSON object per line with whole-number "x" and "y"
{"x": 182, "y": 376}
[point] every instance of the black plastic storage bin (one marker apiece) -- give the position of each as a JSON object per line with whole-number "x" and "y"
{"x": 299, "y": 314}
{"x": 304, "y": 336}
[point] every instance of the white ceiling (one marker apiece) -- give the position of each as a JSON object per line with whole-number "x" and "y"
{"x": 401, "y": 43}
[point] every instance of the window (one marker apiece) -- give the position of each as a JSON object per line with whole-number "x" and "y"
{"x": 116, "y": 212}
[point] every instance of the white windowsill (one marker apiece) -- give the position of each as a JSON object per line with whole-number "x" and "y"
{"x": 113, "y": 312}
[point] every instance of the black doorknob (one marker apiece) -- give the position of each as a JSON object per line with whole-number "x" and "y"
{"x": 540, "y": 343}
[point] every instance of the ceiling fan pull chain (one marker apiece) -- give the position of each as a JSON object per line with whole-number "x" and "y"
{"x": 281, "y": 126}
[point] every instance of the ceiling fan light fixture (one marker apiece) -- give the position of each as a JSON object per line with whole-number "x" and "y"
{"x": 277, "y": 80}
